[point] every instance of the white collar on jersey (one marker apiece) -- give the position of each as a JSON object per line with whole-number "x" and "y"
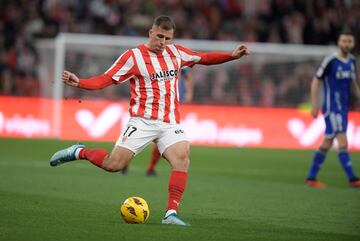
{"x": 344, "y": 60}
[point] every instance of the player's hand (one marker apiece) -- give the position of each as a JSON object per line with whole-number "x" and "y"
{"x": 240, "y": 51}
{"x": 314, "y": 112}
{"x": 70, "y": 78}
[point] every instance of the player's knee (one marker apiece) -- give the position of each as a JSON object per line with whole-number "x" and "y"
{"x": 183, "y": 162}
{"x": 187, "y": 163}
{"x": 327, "y": 143}
{"x": 323, "y": 150}
{"x": 343, "y": 146}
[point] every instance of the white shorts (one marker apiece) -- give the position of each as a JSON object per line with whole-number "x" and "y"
{"x": 139, "y": 132}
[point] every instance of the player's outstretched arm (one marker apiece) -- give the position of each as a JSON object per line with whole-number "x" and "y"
{"x": 94, "y": 83}
{"x": 219, "y": 57}
{"x": 315, "y": 87}
{"x": 189, "y": 57}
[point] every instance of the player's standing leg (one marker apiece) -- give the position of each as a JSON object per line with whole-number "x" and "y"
{"x": 155, "y": 157}
{"x": 178, "y": 157}
{"x": 345, "y": 160}
{"x": 317, "y": 161}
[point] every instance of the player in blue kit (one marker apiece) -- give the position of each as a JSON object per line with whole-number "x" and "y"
{"x": 337, "y": 74}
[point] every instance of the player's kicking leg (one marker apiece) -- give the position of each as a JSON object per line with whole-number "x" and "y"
{"x": 317, "y": 161}
{"x": 178, "y": 157}
{"x": 129, "y": 143}
{"x": 113, "y": 162}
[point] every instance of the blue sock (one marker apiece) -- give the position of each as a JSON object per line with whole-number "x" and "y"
{"x": 318, "y": 159}
{"x": 345, "y": 161}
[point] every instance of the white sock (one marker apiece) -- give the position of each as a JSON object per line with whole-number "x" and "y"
{"x": 169, "y": 212}
{"x": 77, "y": 153}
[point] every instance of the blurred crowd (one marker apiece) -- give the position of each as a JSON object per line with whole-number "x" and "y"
{"x": 276, "y": 21}
{"x": 267, "y": 84}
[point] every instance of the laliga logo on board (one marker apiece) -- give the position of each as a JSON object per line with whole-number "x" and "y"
{"x": 306, "y": 136}
{"x": 98, "y": 126}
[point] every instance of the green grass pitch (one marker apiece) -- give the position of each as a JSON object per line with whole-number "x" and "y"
{"x": 232, "y": 194}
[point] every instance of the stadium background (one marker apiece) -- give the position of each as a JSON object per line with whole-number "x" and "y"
{"x": 269, "y": 21}
{"x": 245, "y": 193}
{"x": 277, "y": 75}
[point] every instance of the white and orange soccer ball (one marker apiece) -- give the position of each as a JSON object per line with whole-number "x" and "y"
{"x": 135, "y": 210}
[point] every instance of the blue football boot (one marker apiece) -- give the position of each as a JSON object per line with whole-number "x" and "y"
{"x": 65, "y": 155}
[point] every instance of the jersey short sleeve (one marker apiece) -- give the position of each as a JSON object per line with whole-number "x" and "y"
{"x": 122, "y": 69}
{"x": 324, "y": 68}
{"x": 188, "y": 57}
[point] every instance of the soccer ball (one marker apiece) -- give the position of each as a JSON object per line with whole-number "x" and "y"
{"x": 135, "y": 210}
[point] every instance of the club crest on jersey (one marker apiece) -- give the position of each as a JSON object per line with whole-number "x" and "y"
{"x": 164, "y": 75}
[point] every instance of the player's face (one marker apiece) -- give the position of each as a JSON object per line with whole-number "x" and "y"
{"x": 160, "y": 38}
{"x": 346, "y": 43}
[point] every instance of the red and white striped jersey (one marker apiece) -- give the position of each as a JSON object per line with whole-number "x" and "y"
{"x": 153, "y": 80}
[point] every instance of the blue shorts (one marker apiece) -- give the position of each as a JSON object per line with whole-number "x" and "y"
{"x": 335, "y": 122}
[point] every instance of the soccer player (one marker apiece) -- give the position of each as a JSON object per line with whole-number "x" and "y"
{"x": 185, "y": 96}
{"x": 338, "y": 76}
{"x": 152, "y": 69}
